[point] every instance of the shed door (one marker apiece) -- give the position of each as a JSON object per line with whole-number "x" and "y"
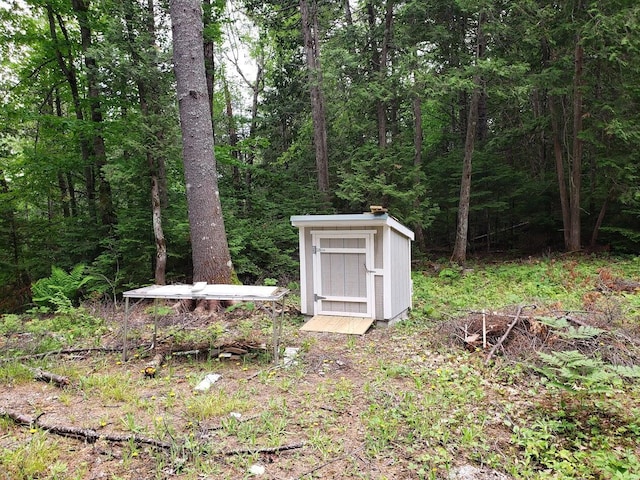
{"x": 342, "y": 273}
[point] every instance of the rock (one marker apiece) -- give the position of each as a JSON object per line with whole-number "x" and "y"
{"x": 206, "y": 383}
{"x": 469, "y": 472}
{"x": 257, "y": 470}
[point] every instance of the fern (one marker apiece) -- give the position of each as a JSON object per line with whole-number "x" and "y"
{"x": 583, "y": 332}
{"x": 555, "y": 323}
{"x": 60, "y": 288}
{"x": 573, "y": 371}
{"x": 563, "y": 329}
{"x": 627, "y": 372}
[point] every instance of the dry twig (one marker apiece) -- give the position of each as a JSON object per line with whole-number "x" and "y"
{"x": 504, "y": 337}
{"x": 251, "y": 451}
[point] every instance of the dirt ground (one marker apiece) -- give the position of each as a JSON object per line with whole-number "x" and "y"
{"x": 260, "y": 419}
{"x": 311, "y": 409}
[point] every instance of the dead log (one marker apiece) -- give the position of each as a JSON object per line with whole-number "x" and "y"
{"x": 504, "y": 337}
{"x": 44, "y": 376}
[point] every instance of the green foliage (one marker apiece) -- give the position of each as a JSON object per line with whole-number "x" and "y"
{"x": 36, "y": 458}
{"x": 575, "y": 372}
{"x": 60, "y": 289}
{"x": 9, "y": 324}
{"x": 565, "y": 447}
{"x": 562, "y": 328}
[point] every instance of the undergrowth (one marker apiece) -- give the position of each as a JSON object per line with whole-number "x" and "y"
{"x": 398, "y": 403}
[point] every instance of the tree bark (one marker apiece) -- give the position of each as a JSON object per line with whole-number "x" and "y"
{"x": 460, "y": 247}
{"x": 99, "y": 160}
{"x": 562, "y": 184}
{"x": 576, "y": 164}
{"x": 210, "y": 251}
{"x": 148, "y": 93}
{"x": 312, "y": 53}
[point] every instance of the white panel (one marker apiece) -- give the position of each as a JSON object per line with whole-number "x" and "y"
{"x": 342, "y": 272}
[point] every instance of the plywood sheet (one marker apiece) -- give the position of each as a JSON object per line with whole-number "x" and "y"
{"x": 336, "y": 324}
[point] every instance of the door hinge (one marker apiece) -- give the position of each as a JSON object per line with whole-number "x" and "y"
{"x": 317, "y": 297}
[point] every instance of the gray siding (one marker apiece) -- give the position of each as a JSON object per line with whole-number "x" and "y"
{"x": 394, "y": 260}
{"x": 400, "y": 274}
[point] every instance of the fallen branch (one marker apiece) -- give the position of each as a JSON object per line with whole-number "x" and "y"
{"x": 252, "y": 451}
{"x": 68, "y": 351}
{"x": 92, "y": 436}
{"x": 43, "y": 376}
{"x": 504, "y": 337}
{"x": 212, "y": 352}
{"x": 578, "y": 322}
{"x": 205, "y": 428}
{"x": 86, "y": 434}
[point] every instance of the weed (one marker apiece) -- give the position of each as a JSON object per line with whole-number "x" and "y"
{"x": 216, "y": 404}
{"x": 34, "y": 458}
{"x": 159, "y": 310}
{"x": 14, "y": 372}
{"x": 117, "y": 387}
{"x": 10, "y": 324}
{"x": 323, "y": 443}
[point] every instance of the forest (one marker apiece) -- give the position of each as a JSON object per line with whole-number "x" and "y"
{"x": 506, "y": 127}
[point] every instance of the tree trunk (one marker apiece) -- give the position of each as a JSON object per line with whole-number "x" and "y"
{"x": 417, "y": 162}
{"x": 460, "y": 247}
{"x": 105, "y": 202}
{"x": 210, "y": 251}
{"x": 148, "y": 93}
{"x": 69, "y": 72}
{"x": 62, "y": 179}
{"x": 599, "y": 220}
{"x": 232, "y": 132}
{"x": 348, "y": 18}
{"x": 382, "y": 74}
{"x": 209, "y": 61}
{"x": 312, "y": 53}
{"x": 576, "y": 164}
{"x": 562, "y": 184}
{"x": 9, "y": 213}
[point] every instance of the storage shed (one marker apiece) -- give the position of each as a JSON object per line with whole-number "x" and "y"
{"x": 355, "y": 265}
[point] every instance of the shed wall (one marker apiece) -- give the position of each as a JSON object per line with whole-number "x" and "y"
{"x": 400, "y": 293}
{"x": 391, "y": 279}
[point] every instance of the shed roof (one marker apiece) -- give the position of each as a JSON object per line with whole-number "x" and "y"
{"x": 350, "y": 220}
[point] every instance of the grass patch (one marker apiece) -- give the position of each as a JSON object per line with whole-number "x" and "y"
{"x": 408, "y": 401}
